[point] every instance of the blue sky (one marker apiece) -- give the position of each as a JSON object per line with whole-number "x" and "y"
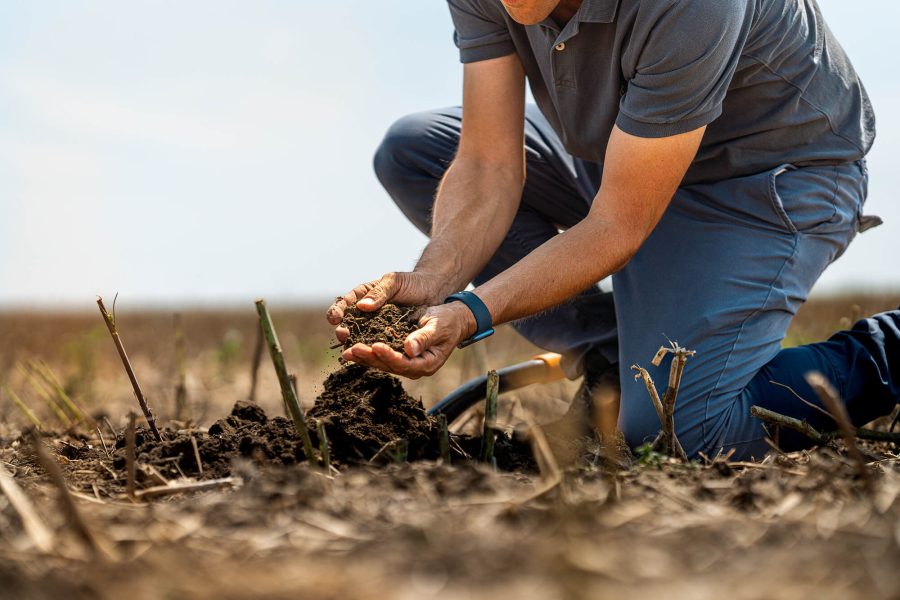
{"x": 214, "y": 152}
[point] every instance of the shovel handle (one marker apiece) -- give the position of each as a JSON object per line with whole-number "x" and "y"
{"x": 540, "y": 369}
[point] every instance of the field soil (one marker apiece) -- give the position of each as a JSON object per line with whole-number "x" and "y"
{"x": 386, "y": 524}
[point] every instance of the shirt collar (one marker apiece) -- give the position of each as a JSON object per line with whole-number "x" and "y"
{"x": 597, "y": 11}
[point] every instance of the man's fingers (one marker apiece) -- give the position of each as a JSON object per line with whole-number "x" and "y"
{"x": 379, "y": 294}
{"x": 335, "y": 312}
{"x": 420, "y": 339}
{"x": 341, "y": 333}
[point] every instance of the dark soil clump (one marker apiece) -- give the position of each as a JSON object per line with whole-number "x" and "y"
{"x": 247, "y": 432}
{"x": 391, "y": 324}
{"x": 365, "y": 409}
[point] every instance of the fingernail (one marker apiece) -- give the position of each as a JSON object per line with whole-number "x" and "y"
{"x": 414, "y": 347}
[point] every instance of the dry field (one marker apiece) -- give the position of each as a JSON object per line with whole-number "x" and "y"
{"x": 798, "y": 525}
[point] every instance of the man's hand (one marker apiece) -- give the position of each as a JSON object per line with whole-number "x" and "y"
{"x": 441, "y": 330}
{"x": 415, "y": 288}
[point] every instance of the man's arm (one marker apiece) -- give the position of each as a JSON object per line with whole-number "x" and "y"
{"x": 640, "y": 177}
{"x": 477, "y": 199}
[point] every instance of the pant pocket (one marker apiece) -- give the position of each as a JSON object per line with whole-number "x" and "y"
{"x": 822, "y": 200}
{"x": 775, "y": 199}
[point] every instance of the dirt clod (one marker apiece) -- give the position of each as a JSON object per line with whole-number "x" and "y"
{"x": 365, "y": 409}
{"x": 391, "y": 324}
{"x": 247, "y": 432}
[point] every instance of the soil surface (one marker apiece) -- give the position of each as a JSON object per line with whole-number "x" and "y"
{"x": 389, "y": 325}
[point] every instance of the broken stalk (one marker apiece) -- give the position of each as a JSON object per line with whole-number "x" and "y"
{"x": 139, "y": 394}
{"x": 490, "y": 417}
{"x": 288, "y": 393}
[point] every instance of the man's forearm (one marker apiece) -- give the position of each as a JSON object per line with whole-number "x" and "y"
{"x": 558, "y": 270}
{"x": 475, "y": 206}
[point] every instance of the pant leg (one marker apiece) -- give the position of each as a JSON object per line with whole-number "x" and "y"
{"x": 723, "y": 274}
{"x": 413, "y": 158}
{"x": 863, "y": 363}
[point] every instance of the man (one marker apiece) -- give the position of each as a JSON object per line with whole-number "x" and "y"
{"x": 706, "y": 153}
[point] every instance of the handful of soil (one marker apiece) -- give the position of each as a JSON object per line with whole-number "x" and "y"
{"x": 389, "y": 325}
{"x": 365, "y": 409}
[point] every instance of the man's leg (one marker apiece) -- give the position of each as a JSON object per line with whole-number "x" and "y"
{"x": 412, "y": 160}
{"x": 723, "y": 274}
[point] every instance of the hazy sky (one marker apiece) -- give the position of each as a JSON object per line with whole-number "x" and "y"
{"x": 213, "y": 151}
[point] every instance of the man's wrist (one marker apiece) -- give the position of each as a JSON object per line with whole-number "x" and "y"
{"x": 469, "y": 326}
{"x": 439, "y": 285}
{"x": 484, "y": 325}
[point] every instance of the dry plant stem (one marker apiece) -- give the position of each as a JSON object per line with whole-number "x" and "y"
{"x": 815, "y": 435}
{"x": 180, "y": 488}
{"x": 490, "y": 417}
{"x": 445, "y": 438}
{"x": 288, "y": 392}
{"x": 791, "y": 423}
{"x": 129, "y": 456}
{"x": 139, "y": 394}
{"x": 66, "y": 501}
{"x": 23, "y": 407}
{"x": 103, "y": 442}
{"x": 667, "y": 441}
{"x": 835, "y": 406}
{"x": 181, "y": 369}
{"x": 543, "y": 454}
{"x": 551, "y": 475}
{"x": 675, "y": 373}
{"x": 197, "y": 455}
{"x": 605, "y": 410}
{"x": 33, "y": 525}
{"x": 397, "y": 449}
{"x": 257, "y": 359}
{"x": 651, "y": 390}
{"x": 323, "y": 447}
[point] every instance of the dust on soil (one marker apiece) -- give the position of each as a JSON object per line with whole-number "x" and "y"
{"x": 390, "y": 324}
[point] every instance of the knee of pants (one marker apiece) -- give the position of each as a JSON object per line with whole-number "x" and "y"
{"x": 394, "y": 160}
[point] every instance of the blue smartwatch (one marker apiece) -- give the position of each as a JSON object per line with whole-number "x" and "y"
{"x": 482, "y": 316}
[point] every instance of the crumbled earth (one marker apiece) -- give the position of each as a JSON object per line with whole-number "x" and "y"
{"x": 247, "y": 432}
{"x": 391, "y": 324}
{"x": 365, "y": 409}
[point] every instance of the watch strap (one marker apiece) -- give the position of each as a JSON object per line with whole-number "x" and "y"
{"x": 483, "y": 321}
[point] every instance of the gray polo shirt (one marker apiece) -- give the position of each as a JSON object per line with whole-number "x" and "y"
{"x": 767, "y": 77}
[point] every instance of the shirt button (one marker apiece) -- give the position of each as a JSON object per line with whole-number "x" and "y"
{"x": 560, "y": 46}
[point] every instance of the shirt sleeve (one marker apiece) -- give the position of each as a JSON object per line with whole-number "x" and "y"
{"x": 480, "y": 33}
{"x": 684, "y": 66}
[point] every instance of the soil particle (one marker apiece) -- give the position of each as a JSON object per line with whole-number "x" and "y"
{"x": 390, "y": 325}
{"x": 365, "y": 409}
